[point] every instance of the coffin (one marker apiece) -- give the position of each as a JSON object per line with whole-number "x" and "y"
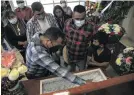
{"x": 58, "y": 84}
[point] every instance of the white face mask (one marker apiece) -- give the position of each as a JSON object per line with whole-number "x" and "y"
{"x": 21, "y": 5}
{"x": 13, "y": 21}
{"x": 79, "y": 23}
{"x": 63, "y": 5}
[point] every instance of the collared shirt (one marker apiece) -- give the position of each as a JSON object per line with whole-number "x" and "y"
{"x": 44, "y": 23}
{"x": 78, "y": 40}
{"x": 25, "y": 14}
{"x": 39, "y": 60}
{"x": 34, "y": 27}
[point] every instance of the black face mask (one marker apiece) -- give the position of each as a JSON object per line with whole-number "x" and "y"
{"x": 55, "y": 48}
{"x": 95, "y": 47}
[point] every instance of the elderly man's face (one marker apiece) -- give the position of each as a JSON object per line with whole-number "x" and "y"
{"x": 40, "y": 15}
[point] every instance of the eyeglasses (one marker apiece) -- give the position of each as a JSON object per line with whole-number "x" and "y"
{"x": 18, "y": 2}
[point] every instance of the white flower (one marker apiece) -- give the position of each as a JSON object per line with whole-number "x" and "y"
{"x": 120, "y": 55}
{"x": 107, "y": 28}
{"x": 17, "y": 64}
{"x": 14, "y": 75}
{"x": 107, "y": 31}
{"x": 126, "y": 50}
{"x": 4, "y": 72}
{"x": 100, "y": 28}
{"x": 22, "y": 69}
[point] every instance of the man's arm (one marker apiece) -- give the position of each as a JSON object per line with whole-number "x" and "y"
{"x": 46, "y": 61}
{"x": 97, "y": 63}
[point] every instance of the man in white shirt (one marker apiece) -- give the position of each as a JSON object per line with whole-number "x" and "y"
{"x": 40, "y": 21}
{"x": 44, "y": 24}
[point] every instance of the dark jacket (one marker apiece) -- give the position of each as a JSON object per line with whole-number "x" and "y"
{"x": 62, "y": 23}
{"x": 11, "y": 34}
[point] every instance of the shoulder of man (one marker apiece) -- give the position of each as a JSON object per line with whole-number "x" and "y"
{"x": 49, "y": 14}
{"x": 30, "y": 21}
{"x": 16, "y": 10}
{"x": 28, "y": 8}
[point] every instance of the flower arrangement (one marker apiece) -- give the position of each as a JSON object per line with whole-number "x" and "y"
{"x": 12, "y": 70}
{"x": 12, "y": 67}
{"x": 125, "y": 61}
{"x": 114, "y": 31}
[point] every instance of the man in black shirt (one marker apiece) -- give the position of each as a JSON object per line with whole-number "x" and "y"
{"x": 99, "y": 54}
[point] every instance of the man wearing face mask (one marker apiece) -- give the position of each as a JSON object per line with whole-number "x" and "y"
{"x": 23, "y": 12}
{"x": 15, "y": 32}
{"x": 78, "y": 35}
{"x": 98, "y": 54}
{"x": 39, "y": 60}
{"x": 40, "y": 22}
{"x": 66, "y": 8}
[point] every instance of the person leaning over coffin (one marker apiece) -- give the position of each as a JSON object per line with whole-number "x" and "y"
{"x": 39, "y": 60}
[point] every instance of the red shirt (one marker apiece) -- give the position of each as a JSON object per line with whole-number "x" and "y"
{"x": 25, "y": 14}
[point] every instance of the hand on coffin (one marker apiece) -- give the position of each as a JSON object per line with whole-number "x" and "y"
{"x": 79, "y": 81}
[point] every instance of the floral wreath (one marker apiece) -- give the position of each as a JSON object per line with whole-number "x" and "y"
{"x": 125, "y": 61}
{"x": 12, "y": 66}
{"x": 114, "y": 31}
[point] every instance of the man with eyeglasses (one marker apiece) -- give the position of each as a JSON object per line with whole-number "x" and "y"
{"x": 79, "y": 31}
{"x": 40, "y": 22}
{"x": 23, "y": 12}
{"x": 39, "y": 60}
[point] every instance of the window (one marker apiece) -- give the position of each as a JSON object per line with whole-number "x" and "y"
{"x": 72, "y": 0}
{"x": 48, "y": 8}
{"x": 29, "y": 2}
{"x": 72, "y": 5}
{"x": 49, "y": 4}
{"x": 56, "y": 4}
{"x": 46, "y": 1}
{"x": 15, "y": 4}
{"x": 56, "y": 1}
{"x": 82, "y": 3}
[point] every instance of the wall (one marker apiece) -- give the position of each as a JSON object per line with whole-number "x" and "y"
{"x": 128, "y": 24}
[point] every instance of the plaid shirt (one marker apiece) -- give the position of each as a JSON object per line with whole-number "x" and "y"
{"x": 34, "y": 27}
{"x": 78, "y": 40}
{"x": 39, "y": 60}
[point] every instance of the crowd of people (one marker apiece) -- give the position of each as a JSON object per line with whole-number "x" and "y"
{"x": 43, "y": 38}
